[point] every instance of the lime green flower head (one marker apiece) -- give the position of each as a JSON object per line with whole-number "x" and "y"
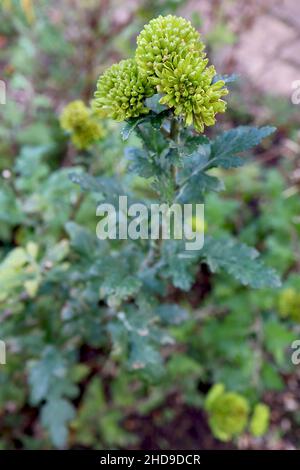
{"x": 260, "y": 420}
{"x": 164, "y": 39}
{"x": 121, "y": 91}
{"x": 86, "y": 136}
{"x": 74, "y": 116}
{"x": 187, "y": 87}
{"x": 289, "y": 304}
{"x": 80, "y": 122}
{"x": 228, "y": 412}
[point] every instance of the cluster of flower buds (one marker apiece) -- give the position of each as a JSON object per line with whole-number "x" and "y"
{"x": 81, "y": 123}
{"x": 289, "y": 304}
{"x": 122, "y": 90}
{"x": 228, "y": 412}
{"x": 169, "y": 60}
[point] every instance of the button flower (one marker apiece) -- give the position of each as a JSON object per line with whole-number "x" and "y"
{"x": 79, "y": 121}
{"x": 122, "y": 90}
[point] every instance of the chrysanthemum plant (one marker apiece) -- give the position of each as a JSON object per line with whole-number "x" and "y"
{"x": 168, "y": 96}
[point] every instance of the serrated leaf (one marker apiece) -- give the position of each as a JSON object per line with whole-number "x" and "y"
{"x": 196, "y": 186}
{"x": 11, "y": 211}
{"x": 86, "y": 182}
{"x": 194, "y": 164}
{"x": 44, "y": 373}
{"x": 165, "y": 187}
{"x": 109, "y": 188}
{"x": 224, "y": 148}
{"x": 119, "y": 286}
{"x": 55, "y": 416}
{"x": 271, "y": 378}
{"x": 240, "y": 261}
{"x": 231, "y": 162}
{"x": 82, "y": 240}
{"x": 118, "y": 281}
{"x": 140, "y": 163}
{"x": 154, "y": 104}
{"x": 192, "y": 143}
{"x": 158, "y": 119}
{"x": 178, "y": 265}
{"x": 142, "y": 354}
{"x": 153, "y": 140}
{"x": 171, "y": 314}
{"x": 277, "y": 338}
{"x": 130, "y": 125}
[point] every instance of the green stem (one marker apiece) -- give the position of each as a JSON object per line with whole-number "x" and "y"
{"x": 175, "y": 136}
{"x": 175, "y": 130}
{"x": 155, "y": 245}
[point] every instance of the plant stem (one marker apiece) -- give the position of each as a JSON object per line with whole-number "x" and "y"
{"x": 175, "y": 136}
{"x": 174, "y": 131}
